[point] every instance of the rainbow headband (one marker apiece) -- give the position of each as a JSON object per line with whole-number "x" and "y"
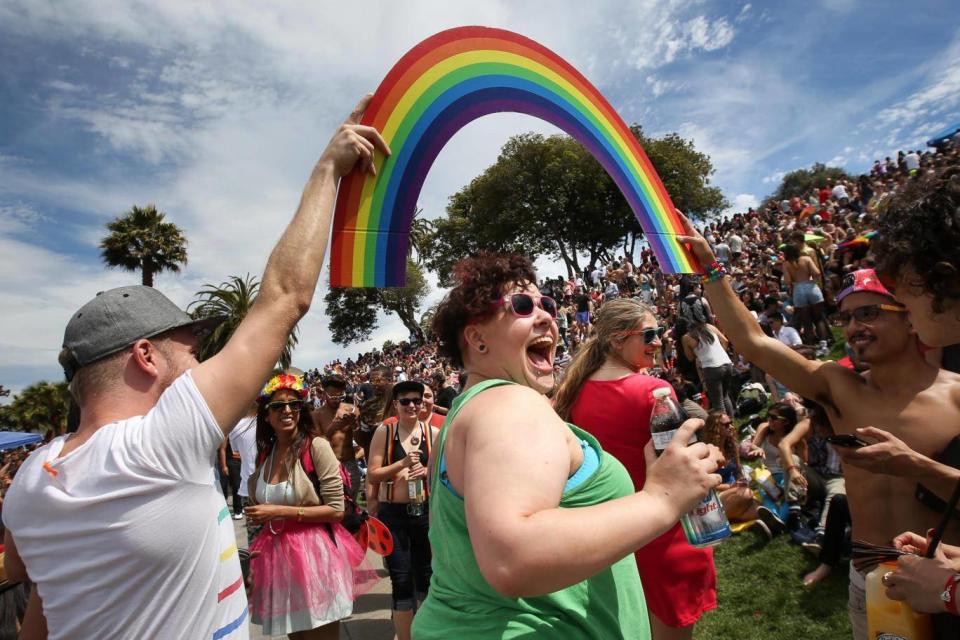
{"x": 442, "y": 84}
{"x": 283, "y": 381}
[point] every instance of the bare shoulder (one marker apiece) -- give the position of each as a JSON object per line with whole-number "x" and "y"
{"x": 504, "y": 409}
{"x": 948, "y": 383}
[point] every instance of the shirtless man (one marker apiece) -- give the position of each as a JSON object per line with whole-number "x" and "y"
{"x": 336, "y": 420}
{"x": 901, "y": 394}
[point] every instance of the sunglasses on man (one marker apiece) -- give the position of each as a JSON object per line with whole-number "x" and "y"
{"x": 523, "y": 304}
{"x": 293, "y": 405}
{"x": 404, "y": 402}
{"x": 866, "y": 314}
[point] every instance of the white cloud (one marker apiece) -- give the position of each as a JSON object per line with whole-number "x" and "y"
{"x": 744, "y": 13}
{"x": 774, "y": 178}
{"x": 741, "y": 202}
{"x": 673, "y": 37}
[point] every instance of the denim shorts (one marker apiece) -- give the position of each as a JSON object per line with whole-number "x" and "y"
{"x": 806, "y": 294}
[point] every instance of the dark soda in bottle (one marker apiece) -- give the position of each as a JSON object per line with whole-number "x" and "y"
{"x": 707, "y": 524}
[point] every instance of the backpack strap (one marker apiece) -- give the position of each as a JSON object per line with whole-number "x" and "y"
{"x": 428, "y": 444}
{"x": 388, "y": 460}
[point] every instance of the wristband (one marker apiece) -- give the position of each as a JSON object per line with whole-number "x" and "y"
{"x": 949, "y": 595}
{"x": 299, "y": 514}
{"x": 715, "y": 271}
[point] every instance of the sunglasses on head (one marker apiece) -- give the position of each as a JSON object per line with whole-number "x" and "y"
{"x": 649, "y": 335}
{"x": 408, "y": 401}
{"x": 294, "y": 405}
{"x": 523, "y": 304}
{"x": 866, "y": 314}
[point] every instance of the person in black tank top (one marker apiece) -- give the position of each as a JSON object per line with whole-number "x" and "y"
{"x": 399, "y": 455}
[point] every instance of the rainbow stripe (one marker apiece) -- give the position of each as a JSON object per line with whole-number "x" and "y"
{"x": 442, "y": 84}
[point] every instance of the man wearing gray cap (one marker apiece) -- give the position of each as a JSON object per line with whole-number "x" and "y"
{"x": 119, "y": 524}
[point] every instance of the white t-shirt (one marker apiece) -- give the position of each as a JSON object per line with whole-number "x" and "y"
{"x": 243, "y": 440}
{"x": 788, "y": 336}
{"x": 839, "y": 192}
{"x": 126, "y": 536}
{"x": 735, "y": 242}
{"x": 911, "y": 161}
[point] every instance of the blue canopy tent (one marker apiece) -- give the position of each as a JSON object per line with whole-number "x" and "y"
{"x": 14, "y": 439}
{"x": 943, "y": 135}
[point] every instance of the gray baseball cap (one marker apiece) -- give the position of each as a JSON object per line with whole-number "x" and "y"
{"x": 117, "y": 318}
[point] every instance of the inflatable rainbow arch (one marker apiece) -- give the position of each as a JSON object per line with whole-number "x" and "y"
{"x": 449, "y": 80}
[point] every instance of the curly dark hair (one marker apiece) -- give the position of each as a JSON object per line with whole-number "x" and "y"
{"x": 480, "y": 281}
{"x": 920, "y": 228}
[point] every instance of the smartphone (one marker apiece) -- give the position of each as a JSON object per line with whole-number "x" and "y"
{"x": 847, "y": 440}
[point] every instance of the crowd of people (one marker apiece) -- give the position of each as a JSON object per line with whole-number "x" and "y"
{"x": 526, "y": 412}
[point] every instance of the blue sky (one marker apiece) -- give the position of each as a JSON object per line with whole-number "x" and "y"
{"x": 216, "y": 112}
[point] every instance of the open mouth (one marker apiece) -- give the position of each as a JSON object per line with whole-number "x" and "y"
{"x": 540, "y": 354}
{"x": 861, "y": 340}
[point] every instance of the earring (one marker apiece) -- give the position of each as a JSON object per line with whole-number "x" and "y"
{"x": 482, "y": 348}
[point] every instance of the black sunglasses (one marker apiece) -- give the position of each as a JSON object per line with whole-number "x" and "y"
{"x": 866, "y": 314}
{"x": 294, "y": 405}
{"x": 649, "y": 335}
{"x": 523, "y": 304}
{"x": 407, "y": 401}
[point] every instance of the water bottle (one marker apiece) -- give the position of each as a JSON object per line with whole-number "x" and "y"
{"x": 707, "y": 524}
{"x": 415, "y": 491}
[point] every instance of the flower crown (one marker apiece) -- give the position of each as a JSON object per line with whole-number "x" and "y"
{"x": 284, "y": 381}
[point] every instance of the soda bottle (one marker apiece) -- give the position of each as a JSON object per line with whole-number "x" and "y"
{"x": 707, "y": 524}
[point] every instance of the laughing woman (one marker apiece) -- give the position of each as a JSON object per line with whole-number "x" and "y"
{"x": 532, "y": 523}
{"x": 308, "y": 570}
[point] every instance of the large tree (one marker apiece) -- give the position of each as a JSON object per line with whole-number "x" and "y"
{"x": 231, "y": 299}
{"x": 40, "y": 407}
{"x": 353, "y": 311}
{"x": 799, "y": 182}
{"x": 141, "y": 240}
{"x": 549, "y": 196}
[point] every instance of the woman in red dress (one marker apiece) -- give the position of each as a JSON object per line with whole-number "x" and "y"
{"x": 606, "y": 393}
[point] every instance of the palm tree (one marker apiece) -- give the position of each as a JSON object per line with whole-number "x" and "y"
{"x": 422, "y": 232}
{"x": 232, "y": 299}
{"x": 140, "y": 240}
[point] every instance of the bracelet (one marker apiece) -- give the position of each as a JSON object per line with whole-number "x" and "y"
{"x": 715, "y": 271}
{"x": 949, "y": 595}
{"x": 299, "y": 514}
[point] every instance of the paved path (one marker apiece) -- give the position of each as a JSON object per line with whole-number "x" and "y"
{"x": 371, "y": 612}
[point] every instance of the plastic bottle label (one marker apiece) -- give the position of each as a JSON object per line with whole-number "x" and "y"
{"x": 662, "y": 438}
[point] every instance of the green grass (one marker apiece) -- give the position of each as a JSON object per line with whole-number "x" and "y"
{"x": 760, "y": 594}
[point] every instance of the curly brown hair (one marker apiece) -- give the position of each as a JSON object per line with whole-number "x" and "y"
{"x": 480, "y": 281}
{"x": 920, "y": 228}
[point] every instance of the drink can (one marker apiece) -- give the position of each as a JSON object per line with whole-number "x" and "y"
{"x": 706, "y": 525}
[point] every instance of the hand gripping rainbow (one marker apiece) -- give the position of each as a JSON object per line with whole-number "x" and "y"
{"x": 449, "y": 80}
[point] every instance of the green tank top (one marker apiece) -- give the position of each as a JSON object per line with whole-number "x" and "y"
{"x": 461, "y": 604}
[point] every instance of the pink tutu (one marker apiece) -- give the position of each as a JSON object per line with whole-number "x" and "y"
{"x": 302, "y": 579}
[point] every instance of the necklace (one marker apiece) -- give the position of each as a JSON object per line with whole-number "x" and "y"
{"x": 266, "y": 490}
{"x": 415, "y": 440}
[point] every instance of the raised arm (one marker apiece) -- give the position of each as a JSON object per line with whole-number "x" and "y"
{"x": 809, "y": 378}
{"x": 231, "y": 378}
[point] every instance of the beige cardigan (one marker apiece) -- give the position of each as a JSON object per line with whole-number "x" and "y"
{"x": 328, "y": 473}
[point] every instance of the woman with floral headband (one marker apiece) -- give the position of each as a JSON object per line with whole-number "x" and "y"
{"x": 309, "y": 569}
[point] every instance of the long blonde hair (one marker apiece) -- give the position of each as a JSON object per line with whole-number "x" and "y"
{"x": 616, "y": 318}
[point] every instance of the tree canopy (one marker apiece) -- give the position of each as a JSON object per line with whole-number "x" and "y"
{"x": 549, "y": 196}
{"x": 141, "y": 240}
{"x": 40, "y": 407}
{"x": 353, "y": 312}
{"x": 799, "y": 182}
